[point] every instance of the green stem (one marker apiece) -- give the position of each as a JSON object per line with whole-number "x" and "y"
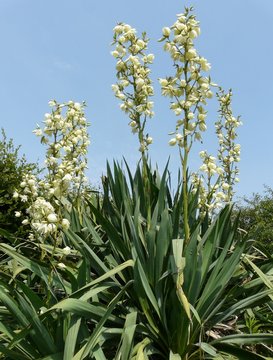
{"x": 184, "y": 160}
{"x": 145, "y": 179}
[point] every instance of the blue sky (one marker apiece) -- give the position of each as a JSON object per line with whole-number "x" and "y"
{"x": 60, "y": 49}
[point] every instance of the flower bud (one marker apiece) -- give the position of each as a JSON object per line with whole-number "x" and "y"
{"x": 202, "y": 126}
{"x": 118, "y": 29}
{"x": 77, "y": 106}
{"x": 149, "y": 140}
{"x": 166, "y": 31}
{"x": 31, "y": 182}
{"x": 163, "y": 82}
{"x": 15, "y": 195}
{"x": 201, "y": 117}
{"x": 61, "y": 266}
{"x": 179, "y": 137}
{"x": 67, "y": 250}
{"x": 191, "y": 54}
{"x": 67, "y": 177}
{"x": 65, "y": 224}
{"x": 150, "y": 58}
{"x": 172, "y": 142}
{"x": 142, "y": 147}
{"x": 202, "y": 154}
{"x": 52, "y": 218}
{"x": 203, "y": 167}
{"x": 38, "y": 132}
{"x": 52, "y": 103}
{"x": 141, "y": 43}
{"x": 115, "y": 53}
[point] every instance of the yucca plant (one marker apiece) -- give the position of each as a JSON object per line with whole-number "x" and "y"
{"x": 132, "y": 287}
{"x": 183, "y": 294}
{"x": 140, "y": 272}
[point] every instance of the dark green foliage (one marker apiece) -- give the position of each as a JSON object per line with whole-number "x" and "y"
{"x": 12, "y": 168}
{"x": 132, "y": 288}
{"x": 256, "y": 217}
{"x": 181, "y": 291}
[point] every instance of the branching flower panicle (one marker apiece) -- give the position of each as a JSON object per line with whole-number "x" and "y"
{"x": 134, "y": 86}
{"x": 216, "y": 181}
{"x": 66, "y": 137}
{"x": 229, "y": 150}
{"x": 189, "y": 90}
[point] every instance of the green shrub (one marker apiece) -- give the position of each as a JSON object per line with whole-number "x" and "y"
{"x": 12, "y": 168}
{"x": 256, "y": 217}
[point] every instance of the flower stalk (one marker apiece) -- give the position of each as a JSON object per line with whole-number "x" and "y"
{"x": 188, "y": 90}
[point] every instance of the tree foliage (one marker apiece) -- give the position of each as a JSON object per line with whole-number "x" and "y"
{"x": 257, "y": 217}
{"x": 12, "y": 168}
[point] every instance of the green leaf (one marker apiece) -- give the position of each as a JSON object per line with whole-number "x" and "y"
{"x": 127, "y": 336}
{"x": 39, "y": 270}
{"x": 81, "y": 308}
{"x": 71, "y": 338}
{"x": 94, "y": 338}
{"x": 240, "y": 353}
{"x": 245, "y": 339}
{"x": 262, "y": 276}
{"x": 14, "y": 355}
{"x": 173, "y": 356}
{"x": 57, "y": 356}
{"x": 208, "y": 349}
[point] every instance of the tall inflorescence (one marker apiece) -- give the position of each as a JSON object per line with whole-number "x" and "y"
{"x": 229, "y": 150}
{"x": 217, "y": 177}
{"x": 65, "y": 135}
{"x": 134, "y": 86}
{"x": 189, "y": 89}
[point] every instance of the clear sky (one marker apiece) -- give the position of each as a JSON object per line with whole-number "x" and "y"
{"x": 60, "y": 49}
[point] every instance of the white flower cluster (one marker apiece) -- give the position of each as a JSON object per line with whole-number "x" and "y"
{"x": 67, "y": 142}
{"x": 65, "y": 134}
{"x": 28, "y": 188}
{"x": 211, "y": 194}
{"x": 198, "y": 185}
{"x": 229, "y": 150}
{"x": 189, "y": 87}
{"x": 215, "y": 193}
{"x": 209, "y": 164}
{"x": 43, "y": 216}
{"x": 134, "y": 86}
